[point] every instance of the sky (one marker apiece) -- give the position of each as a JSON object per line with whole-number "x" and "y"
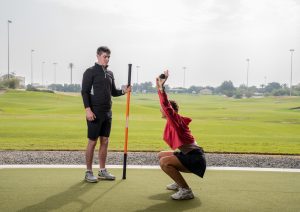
{"x": 210, "y": 38}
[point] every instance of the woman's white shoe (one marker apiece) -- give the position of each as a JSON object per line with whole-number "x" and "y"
{"x": 183, "y": 194}
{"x": 173, "y": 186}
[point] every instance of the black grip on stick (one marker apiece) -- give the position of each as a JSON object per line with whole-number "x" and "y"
{"x": 129, "y": 74}
{"x": 124, "y": 166}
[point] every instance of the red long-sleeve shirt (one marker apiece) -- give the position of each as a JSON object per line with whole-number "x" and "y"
{"x": 177, "y": 132}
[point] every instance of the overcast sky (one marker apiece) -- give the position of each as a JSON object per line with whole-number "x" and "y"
{"x": 211, "y": 38}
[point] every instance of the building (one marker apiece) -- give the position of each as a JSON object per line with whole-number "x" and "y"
{"x": 206, "y": 91}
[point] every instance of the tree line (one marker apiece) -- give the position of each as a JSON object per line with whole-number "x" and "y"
{"x": 226, "y": 88}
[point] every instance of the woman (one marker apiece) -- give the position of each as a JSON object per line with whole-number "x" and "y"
{"x": 190, "y": 157}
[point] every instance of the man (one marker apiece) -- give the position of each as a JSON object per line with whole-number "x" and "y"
{"x": 98, "y": 86}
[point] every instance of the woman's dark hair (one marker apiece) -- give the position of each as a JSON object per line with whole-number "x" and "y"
{"x": 102, "y": 49}
{"x": 174, "y": 105}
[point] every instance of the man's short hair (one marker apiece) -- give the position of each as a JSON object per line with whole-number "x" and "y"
{"x": 103, "y": 49}
{"x": 174, "y": 105}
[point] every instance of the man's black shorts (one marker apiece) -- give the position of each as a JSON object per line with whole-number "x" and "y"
{"x": 101, "y": 126}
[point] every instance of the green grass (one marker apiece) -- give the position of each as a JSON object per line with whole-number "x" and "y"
{"x": 44, "y": 121}
{"x": 144, "y": 190}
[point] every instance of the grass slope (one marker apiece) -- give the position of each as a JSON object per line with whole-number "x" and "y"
{"x": 44, "y": 121}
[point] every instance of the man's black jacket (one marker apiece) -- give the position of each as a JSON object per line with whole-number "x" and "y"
{"x": 98, "y": 86}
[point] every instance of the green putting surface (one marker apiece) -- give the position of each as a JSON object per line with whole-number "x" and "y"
{"x": 144, "y": 190}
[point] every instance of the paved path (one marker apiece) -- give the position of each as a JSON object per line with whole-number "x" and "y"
{"x": 147, "y": 158}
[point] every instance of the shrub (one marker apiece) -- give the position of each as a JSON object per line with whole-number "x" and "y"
{"x": 248, "y": 94}
{"x": 31, "y": 88}
{"x": 238, "y": 94}
{"x": 12, "y": 83}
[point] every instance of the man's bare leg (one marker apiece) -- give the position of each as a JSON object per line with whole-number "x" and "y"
{"x": 89, "y": 154}
{"x": 103, "y": 151}
{"x": 103, "y": 173}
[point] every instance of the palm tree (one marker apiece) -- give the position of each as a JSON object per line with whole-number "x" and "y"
{"x": 71, "y": 65}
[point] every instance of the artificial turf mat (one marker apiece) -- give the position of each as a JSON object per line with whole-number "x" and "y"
{"x": 144, "y": 190}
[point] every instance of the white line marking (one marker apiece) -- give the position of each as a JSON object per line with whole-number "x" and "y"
{"x": 213, "y": 168}
{"x": 253, "y": 169}
{"x": 30, "y": 166}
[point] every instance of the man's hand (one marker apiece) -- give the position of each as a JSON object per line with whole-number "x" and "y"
{"x": 127, "y": 89}
{"x": 160, "y": 82}
{"x": 90, "y": 116}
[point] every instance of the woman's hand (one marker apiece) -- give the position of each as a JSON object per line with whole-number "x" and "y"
{"x": 160, "y": 82}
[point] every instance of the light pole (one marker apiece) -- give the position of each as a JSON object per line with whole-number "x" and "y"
{"x": 184, "y": 68}
{"x": 265, "y": 84}
{"x": 71, "y": 65}
{"x": 55, "y": 72}
{"x": 31, "y": 67}
{"x": 137, "y": 78}
{"x": 8, "y": 22}
{"x": 248, "y": 60}
{"x": 43, "y": 63}
{"x": 291, "y": 80}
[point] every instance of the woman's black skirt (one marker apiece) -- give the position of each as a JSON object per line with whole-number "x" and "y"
{"x": 194, "y": 161}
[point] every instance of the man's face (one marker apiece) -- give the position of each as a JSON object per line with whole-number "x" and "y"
{"x": 103, "y": 59}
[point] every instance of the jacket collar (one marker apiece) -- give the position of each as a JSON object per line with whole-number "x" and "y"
{"x": 100, "y": 66}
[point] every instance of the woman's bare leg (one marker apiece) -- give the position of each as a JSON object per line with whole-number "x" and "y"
{"x": 172, "y": 167}
{"x": 164, "y": 154}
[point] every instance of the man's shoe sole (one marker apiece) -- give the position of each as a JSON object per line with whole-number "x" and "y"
{"x": 90, "y": 181}
{"x": 103, "y": 178}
